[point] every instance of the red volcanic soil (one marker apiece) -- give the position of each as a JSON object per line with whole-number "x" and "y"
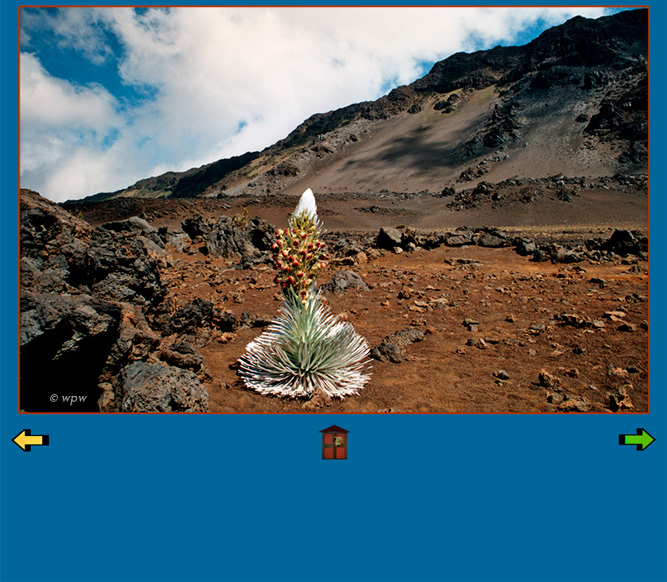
{"x": 501, "y": 333}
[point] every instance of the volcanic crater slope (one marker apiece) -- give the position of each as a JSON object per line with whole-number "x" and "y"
{"x": 574, "y": 101}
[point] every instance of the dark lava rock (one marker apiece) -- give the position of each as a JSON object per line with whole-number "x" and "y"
{"x": 345, "y": 281}
{"x": 460, "y": 238}
{"x": 132, "y": 224}
{"x": 136, "y": 225}
{"x": 558, "y": 254}
{"x": 125, "y": 270}
{"x": 179, "y": 240}
{"x": 388, "y": 238}
{"x": 147, "y": 387}
{"x": 224, "y": 320}
{"x": 525, "y": 246}
{"x": 501, "y": 375}
{"x": 195, "y": 226}
{"x": 387, "y": 351}
{"x": 344, "y": 247}
{"x": 567, "y": 256}
{"x": 493, "y": 239}
{"x": 47, "y": 227}
{"x": 392, "y": 348}
{"x": 622, "y": 242}
{"x": 65, "y": 342}
{"x": 251, "y": 244}
{"x": 183, "y": 355}
{"x": 620, "y": 400}
{"x": 197, "y": 313}
{"x": 84, "y": 295}
{"x": 61, "y": 253}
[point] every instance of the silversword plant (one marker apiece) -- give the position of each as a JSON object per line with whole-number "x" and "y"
{"x": 306, "y": 350}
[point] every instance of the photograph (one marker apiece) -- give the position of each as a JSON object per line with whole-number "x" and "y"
{"x": 330, "y": 210}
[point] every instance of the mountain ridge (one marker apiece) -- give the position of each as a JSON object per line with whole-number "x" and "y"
{"x": 573, "y": 99}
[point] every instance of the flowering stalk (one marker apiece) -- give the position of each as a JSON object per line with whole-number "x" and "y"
{"x": 298, "y": 253}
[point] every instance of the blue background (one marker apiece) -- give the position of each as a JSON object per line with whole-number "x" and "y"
{"x": 247, "y": 497}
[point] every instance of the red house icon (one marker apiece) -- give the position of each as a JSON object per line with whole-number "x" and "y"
{"x": 334, "y": 442}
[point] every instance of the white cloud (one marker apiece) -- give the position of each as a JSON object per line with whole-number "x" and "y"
{"x": 60, "y": 122}
{"x": 217, "y": 69}
{"x": 53, "y": 102}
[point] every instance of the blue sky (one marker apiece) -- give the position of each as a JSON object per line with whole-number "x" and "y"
{"x": 112, "y": 95}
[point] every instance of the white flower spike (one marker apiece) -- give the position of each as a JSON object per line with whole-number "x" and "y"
{"x": 307, "y": 204}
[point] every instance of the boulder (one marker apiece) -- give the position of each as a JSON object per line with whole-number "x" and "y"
{"x": 250, "y": 244}
{"x": 195, "y": 226}
{"x": 145, "y": 387}
{"x": 65, "y": 341}
{"x": 183, "y": 355}
{"x": 622, "y": 242}
{"x": 197, "y": 313}
{"x": 525, "y": 246}
{"x": 494, "y": 239}
{"x": 345, "y": 281}
{"x": 388, "y": 238}
{"x": 125, "y": 270}
{"x": 392, "y": 347}
{"x": 459, "y": 238}
{"x": 47, "y": 227}
{"x": 136, "y": 225}
{"x": 179, "y": 240}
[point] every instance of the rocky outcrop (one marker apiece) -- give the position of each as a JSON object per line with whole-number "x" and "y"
{"x": 388, "y": 238}
{"x": 65, "y": 341}
{"x": 249, "y": 243}
{"x": 85, "y": 294}
{"x": 145, "y": 387}
{"x": 343, "y": 281}
{"x": 392, "y": 348}
{"x": 622, "y": 243}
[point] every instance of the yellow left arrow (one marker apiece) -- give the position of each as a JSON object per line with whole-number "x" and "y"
{"x": 25, "y": 439}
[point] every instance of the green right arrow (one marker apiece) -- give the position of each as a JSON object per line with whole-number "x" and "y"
{"x": 642, "y": 439}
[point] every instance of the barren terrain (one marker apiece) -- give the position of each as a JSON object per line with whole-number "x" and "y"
{"x": 501, "y": 332}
